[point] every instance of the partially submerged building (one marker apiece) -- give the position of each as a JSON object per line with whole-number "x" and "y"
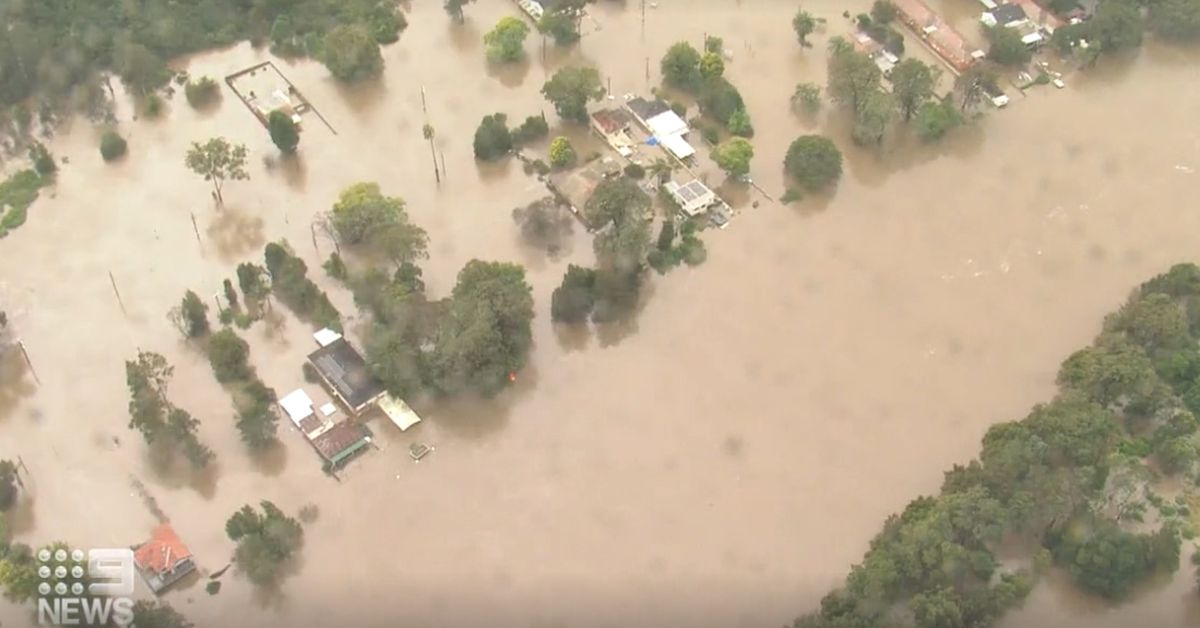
{"x": 345, "y": 372}
{"x": 1013, "y": 15}
{"x": 937, "y": 34}
{"x": 693, "y": 197}
{"x": 163, "y": 560}
{"x": 614, "y": 126}
{"x": 341, "y": 442}
{"x": 576, "y": 186}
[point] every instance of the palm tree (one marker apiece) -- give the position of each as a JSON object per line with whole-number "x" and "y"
{"x": 427, "y": 131}
{"x": 660, "y": 170}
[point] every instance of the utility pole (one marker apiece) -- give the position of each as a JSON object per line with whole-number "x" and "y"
{"x": 423, "y": 110}
{"x": 196, "y": 229}
{"x": 643, "y": 20}
{"x": 28, "y": 362}
{"x": 443, "y": 156}
{"x": 312, "y": 228}
{"x": 116, "y": 292}
{"x": 217, "y": 298}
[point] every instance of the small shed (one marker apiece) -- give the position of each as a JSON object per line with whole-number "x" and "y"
{"x": 398, "y": 411}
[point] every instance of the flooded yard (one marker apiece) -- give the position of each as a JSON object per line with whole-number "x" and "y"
{"x": 720, "y": 461}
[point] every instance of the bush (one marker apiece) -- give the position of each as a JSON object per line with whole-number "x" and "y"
{"x": 533, "y": 128}
{"x": 112, "y": 145}
{"x": 562, "y": 154}
{"x": 202, "y": 92}
{"x": 492, "y": 138}
{"x": 634, "y": 171}
{"x": 152, "y": 106}
{"x": 807, "y": 97}
{"x": 284, "y": 133}
{"x": 43, "y": 161}
{"x": 541, "y": 167}
{"x": 710, "y": 134}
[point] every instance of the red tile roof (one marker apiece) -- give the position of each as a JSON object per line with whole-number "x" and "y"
{"x": 162, "y": 552}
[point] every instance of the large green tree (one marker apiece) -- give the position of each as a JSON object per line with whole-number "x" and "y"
{"x": 853, "y": 76}
{"x": 351, "y": 53}
{"x": 218, "y": 161}
{"x": 1177, "y": 20}
{"x": 284, "y": 132}
{"x": 161, "y": 424}
{"x": 733, "y": 156}
{"x": 813, "y": 161}
{"x": 570, "y": 89}
{"x": 506, "y": 41}
{"x": 364, "y": 216}
{"x": 913, "y": 84}
{"x": 265, "y": 541}
{"x": 1006, "y": 47}
{"x": 681, "y": 66}
{"x": 486, "y": 333}
{"x": 804, "y": 24}
{"x": 573, "y": 300}
{"x": 492, "y": 139}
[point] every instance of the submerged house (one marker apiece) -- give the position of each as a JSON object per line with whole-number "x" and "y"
{"x": 345, "y": 372}
{"x": 163, "y": 560}
{"x": 613, "y": 125}
{"x": 693, "y": 197}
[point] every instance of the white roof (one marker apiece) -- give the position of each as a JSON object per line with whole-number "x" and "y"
{"x": 326, "y": 337}
{"x": 667, "y": 123}
{"x": 399, "y": 412}
{"x": 298, "y": 406}
{"x": 677, "y": 145}
{"x": 328, "y": 409}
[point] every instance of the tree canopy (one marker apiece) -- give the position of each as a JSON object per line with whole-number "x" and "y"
{"x": 813, "y": 161}
{"x": 570, "y": 89}
{"x": 486, "y": 333}
{"x": 351, "y": 53}
{"x": 804, "y": 24}
{"x": 853, "y": 76}
{"x": 733, "y": 156}
{"x": 562, "y": 154}
{"x": 913, "y": 84}
{"x": 163, "y": 426}
{"x": 492, "y": 139}
{"x": 1006, "y": 47}
{"x": 284, "y": 132}
{"x": 218, "y": 161}
{"x": 58, "y": 48}
{"x": 506, "y": 41}
{"x": 363, "y": 216}
{"x": 265, "y": 541}
{"x": 681, "y": 66}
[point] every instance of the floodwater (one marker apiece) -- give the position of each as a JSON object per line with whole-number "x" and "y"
{"x": 720, "y": 461}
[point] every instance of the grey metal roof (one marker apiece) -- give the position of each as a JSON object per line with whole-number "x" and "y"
{"x": 1008, "y": 13}
{"x": 646, "y": 109}
{"x": 344, "y": 369}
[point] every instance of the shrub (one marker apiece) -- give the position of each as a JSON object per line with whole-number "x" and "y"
{"x": 112, "y": 145}
{"x": 634, "y": 171}
{"x": 152, "y": 106}
{"x": 228, "y": 355}
{"x": 562, "y": 154}
{"x": 202, "y": 92}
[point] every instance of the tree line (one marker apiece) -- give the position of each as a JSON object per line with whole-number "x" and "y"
{"x": 1072, "y": 483}
{"x": 60, "y": 49}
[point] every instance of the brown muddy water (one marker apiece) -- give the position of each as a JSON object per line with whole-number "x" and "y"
{"x": 720, "y": 462}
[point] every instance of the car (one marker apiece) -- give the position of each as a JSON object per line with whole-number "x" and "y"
{"x": 718, "y": 216}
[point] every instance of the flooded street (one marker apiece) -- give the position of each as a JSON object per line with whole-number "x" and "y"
{"x": 720, "y": 462}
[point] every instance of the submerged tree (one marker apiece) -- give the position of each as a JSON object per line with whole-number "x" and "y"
{"x": 804, "y": 24}
{"x": 734, "y": 157}
{"x": 913, "y": 83}
{"x": 364, "y": 216}
{"x": 218, "y": 161}
{"x": 813, "y": 161}
{"x": 351, "y": 53}
{"x": 284, "y": 132}
{"x": 506, "y": 41}
{"x": 161, "y": 424}
{"x": 570, "y": 89}
{"x": 492, "y": 139}
{"x": 265, "y": 542}
{"x": 455, "y": 8}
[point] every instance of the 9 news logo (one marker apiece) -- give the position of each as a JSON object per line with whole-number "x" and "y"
{"x": 91, "y": 589}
